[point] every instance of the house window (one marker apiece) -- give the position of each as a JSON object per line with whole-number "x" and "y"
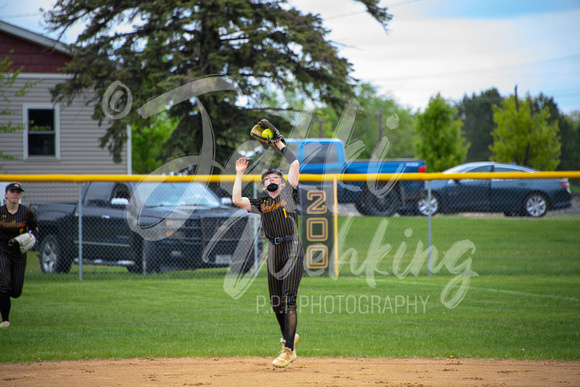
{"x": 41, "y": 137}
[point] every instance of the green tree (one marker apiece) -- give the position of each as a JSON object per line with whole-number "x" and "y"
{"x": 378, "y": 116}
{"x": 524, "y": 135}
{"x": 476, "y": 112}
{"x": 568, "y": 130}
{"x": 381, "y": 117}
{"x": 570, "y": 138}
{"x": 439, "y": 137}
{"x": 261, "y": 45}
{"x": 148, "y": 143}
{"x": 8, "y": 76}
{"x": 324, "y": 120}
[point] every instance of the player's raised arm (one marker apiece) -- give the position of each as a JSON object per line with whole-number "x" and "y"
{"x": 294, "y": 170}
{"x": 237, "y": 198}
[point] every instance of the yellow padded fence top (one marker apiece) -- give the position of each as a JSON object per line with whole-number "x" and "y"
{"x": 303, "y": 177}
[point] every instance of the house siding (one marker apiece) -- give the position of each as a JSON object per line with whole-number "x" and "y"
{"x": 80, "y": 152}
{"x": 31, "y": 57}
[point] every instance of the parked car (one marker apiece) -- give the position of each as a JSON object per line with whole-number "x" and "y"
{"x": 526, "y": 197}
{"x": 325, "y": 156}
{"x": 182, "y": 226}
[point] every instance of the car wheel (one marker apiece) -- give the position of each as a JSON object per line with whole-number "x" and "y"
{"x": 51, "y": 258}
{"x": 536, "y": 205}
{"x": 382, "y": 206}
{"x": 424, "y": 207}
{"x": 361, "y": 207}
{"x": 149, "y": 260}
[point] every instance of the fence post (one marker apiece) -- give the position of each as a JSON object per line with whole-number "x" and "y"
{"x": 256, "y": 236}
{"x": 429, "y": 223}
{"x": 335, "y": 225}
{"x": 80, "y": 214}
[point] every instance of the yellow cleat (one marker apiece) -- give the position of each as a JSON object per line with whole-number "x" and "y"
{"x": 286, "y": 357}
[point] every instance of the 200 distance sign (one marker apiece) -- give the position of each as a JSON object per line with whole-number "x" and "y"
{"x": 317, "y": 225}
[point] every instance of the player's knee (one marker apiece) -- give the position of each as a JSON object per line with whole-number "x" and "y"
{"x": 289, "y": 302}
{"x": 15, "y": 293}
{"x": 278, "y": 309}
{"x": 277, "y": 304}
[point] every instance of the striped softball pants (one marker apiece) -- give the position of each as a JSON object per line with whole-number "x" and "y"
{"x": 285, "y": 270}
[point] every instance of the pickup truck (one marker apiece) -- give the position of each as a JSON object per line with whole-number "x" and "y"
{"x": 328, "y": 156}
{"x": 147, "y": 227}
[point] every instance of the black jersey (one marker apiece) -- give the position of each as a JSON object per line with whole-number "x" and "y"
{"x": 12, "y": 225}
{"x": 279, "y": 215}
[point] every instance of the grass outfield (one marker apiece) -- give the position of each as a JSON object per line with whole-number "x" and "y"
{"x": 524, "y": 302}
{"x": 502, "y": 245}
{"x": 523, "y": 317}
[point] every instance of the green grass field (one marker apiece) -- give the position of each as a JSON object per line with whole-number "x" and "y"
{"x": 524, "y": 302}
{"x": 502, "y": 245}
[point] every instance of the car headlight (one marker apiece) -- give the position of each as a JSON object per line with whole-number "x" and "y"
{"x": 172, "y": 230}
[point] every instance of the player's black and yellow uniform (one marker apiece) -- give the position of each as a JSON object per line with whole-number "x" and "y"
{"x": 285, "y": 252}
{"x": 278, "y": 209}
{"x": 12, "y": 261}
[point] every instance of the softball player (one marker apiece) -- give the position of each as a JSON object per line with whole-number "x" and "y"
{"x": 285, "y": 254}
{"x": 15, "y": 219}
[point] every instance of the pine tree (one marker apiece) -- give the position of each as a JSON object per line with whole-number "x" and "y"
{"x": 261, "y": 45}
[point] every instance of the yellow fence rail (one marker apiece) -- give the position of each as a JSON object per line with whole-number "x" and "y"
{"x": 303, "y": 177}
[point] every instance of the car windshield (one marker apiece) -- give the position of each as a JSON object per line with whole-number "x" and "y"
{"x": 176, "y": 195}
{"x": 501, "y": 168}
{"x": 466, "y": 168}
{"x": 457, "y": 169}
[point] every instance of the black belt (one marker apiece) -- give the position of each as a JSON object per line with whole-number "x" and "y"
{"x": 283, "y": 239}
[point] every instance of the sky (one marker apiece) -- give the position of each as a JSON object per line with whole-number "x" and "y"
{"x": 451, "y": 47}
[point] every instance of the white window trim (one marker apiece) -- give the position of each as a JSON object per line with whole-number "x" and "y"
{"x": 56, "y": 108}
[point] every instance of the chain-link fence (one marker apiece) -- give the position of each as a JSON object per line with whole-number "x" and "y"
{"x": 140, "y": 228}
{"x": 184, "y": 230}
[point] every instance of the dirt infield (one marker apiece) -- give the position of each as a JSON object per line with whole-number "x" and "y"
{"x": 257, "y": 371}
